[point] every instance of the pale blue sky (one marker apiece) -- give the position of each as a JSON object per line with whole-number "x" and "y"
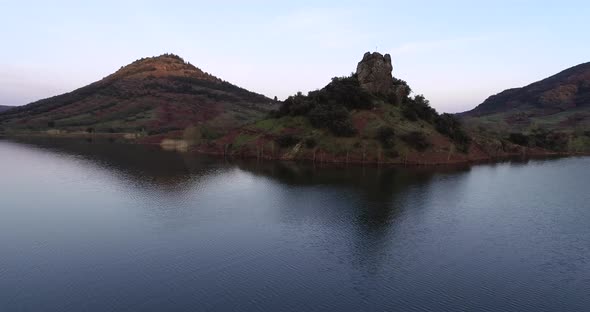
{"x": 454, "y": 52}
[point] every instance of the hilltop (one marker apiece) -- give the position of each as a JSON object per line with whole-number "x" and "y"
{"x": 4, "y": 108}
{"x": 151, "y": 96}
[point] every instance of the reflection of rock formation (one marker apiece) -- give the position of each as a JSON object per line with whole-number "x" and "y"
{"x": 363, "y": 200}
{"x": 379, "y": 184}
{"x": 381, "y": 187}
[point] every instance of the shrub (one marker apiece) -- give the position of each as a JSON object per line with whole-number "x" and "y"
{"x": 287, "y": 140}
{"x": 328, "y": 107}
{"x": 209, "y": 134}
{"x": 518, "y": 138}
{"x": 391, "y": 153}
{"x": 335, "y": 118}
{"x": 409, "y": 112}
{"x": 344, "y": 91}
{"x": 450, "y": 126}
{"x": 549, "y": 140}
{"x": 419, "y": 108}
{"x": 295, "y": 105}
{"x": 342, "y": 128}
{"x": 385, "y": 136}
{"x": 417, "y": 140}
{"x": 402, "y": 87}
{"x": 310, "y": 143}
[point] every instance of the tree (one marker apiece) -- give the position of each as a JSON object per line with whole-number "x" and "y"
{"x": 450, "y": 126}
{"x": 287, "y": 140}
{"x": 419, "y": 108}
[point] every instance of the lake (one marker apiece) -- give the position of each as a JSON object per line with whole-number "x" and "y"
{"x": 99, "y": 226}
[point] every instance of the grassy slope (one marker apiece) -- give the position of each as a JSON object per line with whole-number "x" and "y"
{"x": 259, "y": 140}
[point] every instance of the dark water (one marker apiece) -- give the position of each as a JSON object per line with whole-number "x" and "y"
{"x": 107, "y": 227}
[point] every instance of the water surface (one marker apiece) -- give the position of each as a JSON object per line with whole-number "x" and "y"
{"x": 97, "y": 226}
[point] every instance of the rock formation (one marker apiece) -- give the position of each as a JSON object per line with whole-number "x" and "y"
{"x": 374, "y": 73}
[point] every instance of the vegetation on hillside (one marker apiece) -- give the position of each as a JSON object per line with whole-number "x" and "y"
{"x": 330, "y": 108}
{"x": 541, "y": 138}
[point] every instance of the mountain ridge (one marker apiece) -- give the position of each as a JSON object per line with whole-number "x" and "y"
{"x": 565, "y": 90}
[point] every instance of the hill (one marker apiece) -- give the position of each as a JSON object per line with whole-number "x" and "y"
{"x": 4, "y": 108}
{"x": 156, "y": 95}
{"x": 552, "y": 114}
{"x": 560, "y": 102}
{"x": 369, "y": 116}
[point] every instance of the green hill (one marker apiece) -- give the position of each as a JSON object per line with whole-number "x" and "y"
{"x": 368, "y": 116}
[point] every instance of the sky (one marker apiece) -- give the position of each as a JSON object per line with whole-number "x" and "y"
{"x": 456, "y": 53}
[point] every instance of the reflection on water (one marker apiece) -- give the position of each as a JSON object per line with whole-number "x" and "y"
{"x": 103, "y": 226}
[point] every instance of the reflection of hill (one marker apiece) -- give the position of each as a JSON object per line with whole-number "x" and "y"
{"x": 141, "y": 165}
{"x": 366, "y": 202}
{"x": 376, "y": 183}
{"x": 377, "y": 191}
{"x": 358, "y": 208}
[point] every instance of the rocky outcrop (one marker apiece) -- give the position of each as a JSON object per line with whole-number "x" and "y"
{"x": 374, "y": 73}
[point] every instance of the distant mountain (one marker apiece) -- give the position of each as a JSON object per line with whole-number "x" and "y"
{"x": 561, "y": 101}
{"x": 152, "y": 95}
{"x": 4, "y": 108}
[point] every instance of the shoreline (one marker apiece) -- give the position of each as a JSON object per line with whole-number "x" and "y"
{"x": 324, "y": 159}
